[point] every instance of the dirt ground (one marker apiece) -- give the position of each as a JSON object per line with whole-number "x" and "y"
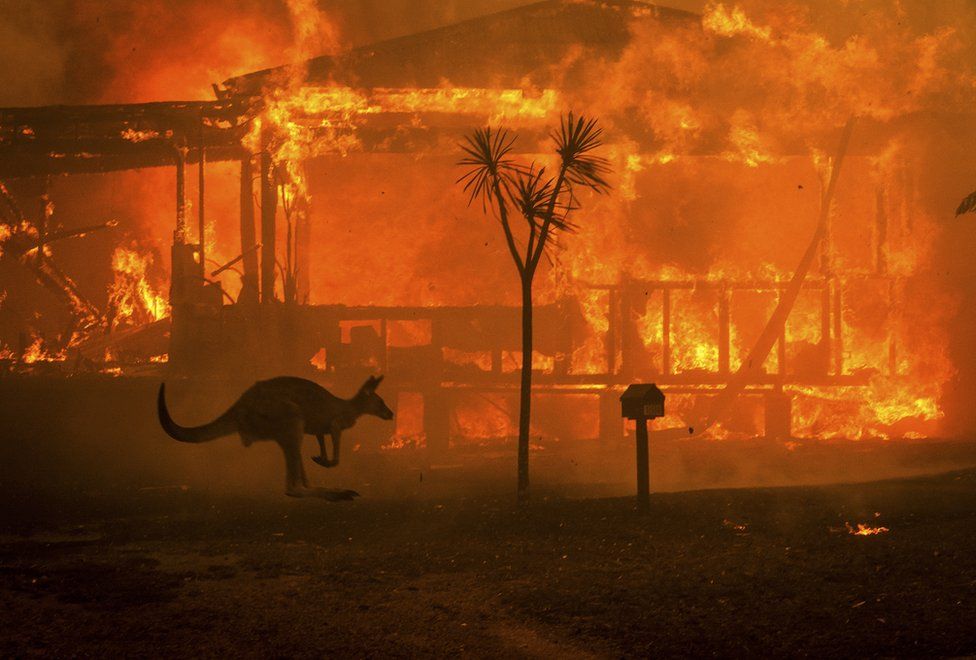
{"x": 775, "y": 571}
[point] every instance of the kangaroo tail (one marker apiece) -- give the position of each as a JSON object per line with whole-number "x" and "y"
{"x": 223, "y": 425}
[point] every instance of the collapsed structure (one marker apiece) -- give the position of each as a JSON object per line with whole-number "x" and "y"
{"x": 682, "y": 291}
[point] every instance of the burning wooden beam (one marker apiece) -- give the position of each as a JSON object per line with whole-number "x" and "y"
{"x": 249, "y": 285}
{"x": 269, "y": 206}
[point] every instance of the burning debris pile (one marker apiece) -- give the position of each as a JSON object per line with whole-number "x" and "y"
{"x": 723, "y": 131}
{"x": 28, "y": 245}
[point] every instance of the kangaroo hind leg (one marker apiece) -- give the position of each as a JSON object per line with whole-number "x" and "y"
{"x": 290, "y": 440}
{"x": 296, "y": 481}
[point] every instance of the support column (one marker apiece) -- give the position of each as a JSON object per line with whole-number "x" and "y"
{"x": 43, "y": 215}
{"x": 201, "y": 219}
{"x": 303, "y": 241}
{"x": 838, "y": 331}
{"x": 666, "y": 331}
{"x": 781, "y": 350}
{"x": 643, "y": 469}
{"x": 250, "y": 287}
{"x": 269, "y": 205}
{"x": 825, "y": 343}
{"x": 179, "y": 237}
{"x": 629, "y": 339}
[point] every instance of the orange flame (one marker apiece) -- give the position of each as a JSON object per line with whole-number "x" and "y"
{"x": 131, "y": 296}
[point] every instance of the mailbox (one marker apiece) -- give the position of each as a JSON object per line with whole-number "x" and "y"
{"x": 642, "y": 401}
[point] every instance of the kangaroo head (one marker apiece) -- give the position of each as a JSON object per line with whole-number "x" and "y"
{"x": 369, "y": 402}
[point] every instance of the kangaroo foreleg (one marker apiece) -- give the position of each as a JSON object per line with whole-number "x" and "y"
{"x": 323, "y": 458}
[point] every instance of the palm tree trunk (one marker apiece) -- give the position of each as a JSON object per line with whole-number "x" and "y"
{"x": 525, "y": 392}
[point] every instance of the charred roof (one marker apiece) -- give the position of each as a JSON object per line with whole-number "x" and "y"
{"x": 524, "y": 46}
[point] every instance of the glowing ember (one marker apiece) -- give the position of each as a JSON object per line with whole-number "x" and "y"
{"x": 134, "y": 136}
{"x": 863, "y": 529}
{"x": 37, "y": 352}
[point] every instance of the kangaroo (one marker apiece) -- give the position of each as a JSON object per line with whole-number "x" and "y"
{"x": 284, "y": 410}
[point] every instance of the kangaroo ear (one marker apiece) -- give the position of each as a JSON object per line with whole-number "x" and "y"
{"x": 376, "y": 381}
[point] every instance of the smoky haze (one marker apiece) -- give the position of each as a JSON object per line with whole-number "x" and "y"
{"x": 72, "y": 51}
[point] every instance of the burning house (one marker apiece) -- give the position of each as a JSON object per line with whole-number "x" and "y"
{"x": 765, "y": 256}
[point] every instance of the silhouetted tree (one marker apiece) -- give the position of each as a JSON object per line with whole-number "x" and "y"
{"x": 544, "y": 202}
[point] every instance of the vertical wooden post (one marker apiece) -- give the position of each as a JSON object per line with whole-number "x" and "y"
{"x": 628, "y": 336}
{"x": 838, "y": 331}
{"x": 303, "y": 241}
{"x": 643, "y": 470}
{"x": 781, "y": 348}
{"x": 250, "y": 288}
{"x": 43, "y": 215}
{"x": 269, "y": 205}
{"x": 666, "y": 331}
{"x": 179, "y": 237}
{"x": 201, "y": 227}
{"x": 825, "y": 343}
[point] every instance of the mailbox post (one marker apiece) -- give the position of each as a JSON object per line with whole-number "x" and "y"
{"x": 641, "y": 402}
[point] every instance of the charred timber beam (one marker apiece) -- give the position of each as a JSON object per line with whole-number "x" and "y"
{"x": 826, "y": 345}
{"x": 741, "y": 285}
{"x": 249, "y": 287}
{"x": 629, "y": 339}
{"x": 201, "y": 217}
{"x": 230, "y": 264}
{"x": 697, "y": 384}
{"x": 666, "y": 332}
{"x": 781, "y": 352}
{"x": 269, "y": 206}
{"x": 838, "y": 331}
{"x": 444, "y": 313}
{"x": 26, "y": 121}
{"x": 15, "y": 164}
{"x": 179, "y": 236}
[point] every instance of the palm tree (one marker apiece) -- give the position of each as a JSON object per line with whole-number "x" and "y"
{"x": 543, "y": 202}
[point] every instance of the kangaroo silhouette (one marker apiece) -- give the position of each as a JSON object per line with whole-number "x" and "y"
{"x": 284, "y": 410}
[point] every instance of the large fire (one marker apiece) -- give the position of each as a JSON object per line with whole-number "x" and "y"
{"x": 721, "y": 133}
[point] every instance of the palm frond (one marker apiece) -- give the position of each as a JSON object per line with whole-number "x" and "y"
{"x": 532, "y": 194}
{"x": 576, "y": 140}
{"x": 487, "y": 157}
{"x": 967, "y": 205}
